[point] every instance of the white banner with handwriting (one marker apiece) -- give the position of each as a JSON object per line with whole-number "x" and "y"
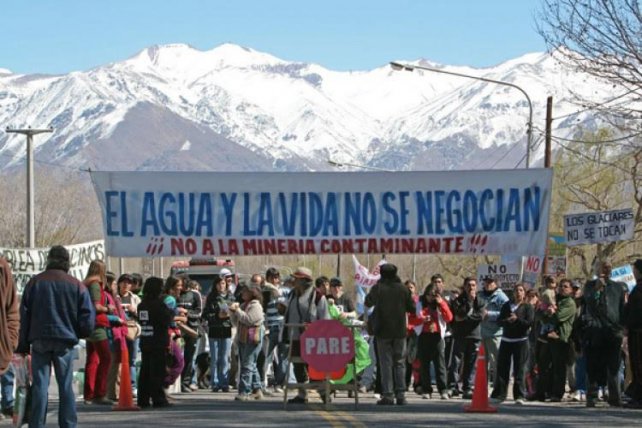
{"x": 27, "y": 262}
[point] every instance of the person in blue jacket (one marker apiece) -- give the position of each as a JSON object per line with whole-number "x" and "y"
{"x": 56, "y": 310}
{"x": 493, "y": 299}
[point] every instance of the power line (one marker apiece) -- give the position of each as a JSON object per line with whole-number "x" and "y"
{"x": 611, "y": 141}
{"x": 579, "y": 153}
{"x": 47, "y": 163}
{"x": 596, "y": 106}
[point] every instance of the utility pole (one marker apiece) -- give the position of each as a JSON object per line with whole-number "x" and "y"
{"x": 29, "y": 132}
{"x": 547, "y": 164}
{"x": 549, "y": 123}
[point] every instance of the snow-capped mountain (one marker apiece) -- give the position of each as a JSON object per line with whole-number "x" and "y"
{"x": 233, "y": 108}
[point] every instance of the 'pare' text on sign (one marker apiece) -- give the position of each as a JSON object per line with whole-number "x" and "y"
{"x": 595, "y": 228}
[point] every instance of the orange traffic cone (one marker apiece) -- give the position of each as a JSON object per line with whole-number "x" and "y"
{"x": 480, "y": 394}
{"x": 125, "y": 397}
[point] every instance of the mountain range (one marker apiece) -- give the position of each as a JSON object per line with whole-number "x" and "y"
{"x": 173, "y": 107}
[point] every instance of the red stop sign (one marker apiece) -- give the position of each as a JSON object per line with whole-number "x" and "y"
{"x": 327, "y": 345}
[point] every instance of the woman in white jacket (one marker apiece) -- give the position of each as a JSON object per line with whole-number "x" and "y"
{"x": 248, "y": 318}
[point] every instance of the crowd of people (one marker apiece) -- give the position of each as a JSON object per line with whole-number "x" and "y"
{"x": 567, "y": 341}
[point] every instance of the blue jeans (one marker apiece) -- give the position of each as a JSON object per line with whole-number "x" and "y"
{"x": 7, "y": 389}
{"x": 464, "y": 359}
{"x": 220, "y": 350}
{"x": 281, "y": 355}
{"x": 60, "y": 355}
{"x": 580, "y": 373}
{"x": 250, "y": 379}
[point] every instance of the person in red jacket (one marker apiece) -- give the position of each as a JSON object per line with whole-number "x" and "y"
{"x": 412, "y": 361}
{"x": 430, "y": 320}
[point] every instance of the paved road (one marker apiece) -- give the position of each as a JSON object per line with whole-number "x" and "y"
{"x": 205, "y": 409}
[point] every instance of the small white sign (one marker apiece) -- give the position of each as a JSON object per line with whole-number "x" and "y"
{"x": 506, "y": 274}
{"x": 532, "y": 269}
{"x": 624, "y": 274}
{"x": 594, "y": 228}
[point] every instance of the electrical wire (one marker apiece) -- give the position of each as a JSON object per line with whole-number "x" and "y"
{"x": 48, "y": 163}
{"x": 611, "y": 141}
{"x": 597, "y": 105}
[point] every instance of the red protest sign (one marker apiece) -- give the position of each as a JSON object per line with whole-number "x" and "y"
{"x": 327, "y": 345}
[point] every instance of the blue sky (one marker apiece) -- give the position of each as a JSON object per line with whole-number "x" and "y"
{"x": 40, "y": 36}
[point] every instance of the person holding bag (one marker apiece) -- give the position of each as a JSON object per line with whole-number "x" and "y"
{"x": 130, "y": 301}
{"x": 98, "y": 352}
{"x": 248, "y": 318}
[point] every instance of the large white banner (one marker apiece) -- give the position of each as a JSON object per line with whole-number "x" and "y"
{"x": 27, "y": 262}
{"x": 594, "y": 228}
{"x": 257, "y": 213}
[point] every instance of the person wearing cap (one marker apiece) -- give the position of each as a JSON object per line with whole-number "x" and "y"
{"x": 305, "y": 305}
{"x": 342, "y": 301}
{"x": 232, "y": 286}
{"x": 603, "y": 332}
{"x": 633, "y": 323}
{"x": 10, "y": 321}
{"x": 391, "y": 301}
{"x": 129, "y": 302}
{"x": 190, "y": 300}
{"x": 55, "y": 312}
{"x": 493, "y": 299}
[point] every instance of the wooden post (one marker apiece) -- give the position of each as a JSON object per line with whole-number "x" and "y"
{"x": 547, "y": 164}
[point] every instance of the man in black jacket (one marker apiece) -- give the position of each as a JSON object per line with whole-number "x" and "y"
{"x": 633, "y": 323}
{"x": 467, "y": 311}
{"x": 602, "y": 333}
{"x": 154, "y": 317}
{"x": 392, "y": 300}
{"x": 191, "y": 300}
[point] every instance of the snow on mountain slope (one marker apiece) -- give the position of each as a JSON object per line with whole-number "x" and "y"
{"x": 292, "y": 115}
